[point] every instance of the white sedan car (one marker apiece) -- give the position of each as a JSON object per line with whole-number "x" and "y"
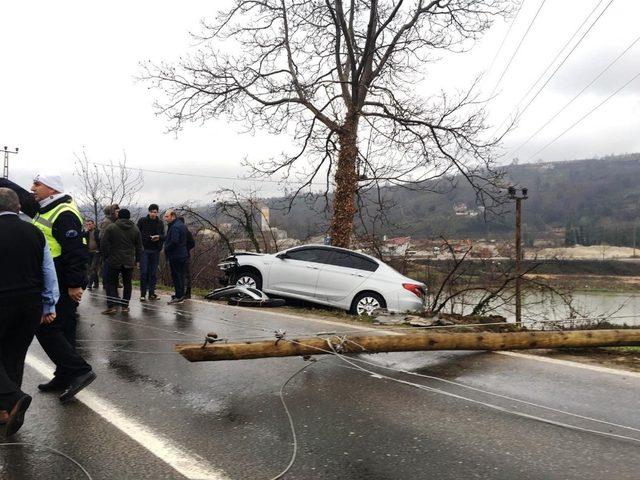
{"x": 329, "y": 276}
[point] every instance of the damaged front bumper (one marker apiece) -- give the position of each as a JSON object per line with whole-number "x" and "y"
{"x": 228, "y": 267}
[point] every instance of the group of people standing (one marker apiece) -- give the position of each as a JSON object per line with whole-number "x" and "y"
{"x": 47, "y": 263}
{"x": 122, "y": 244}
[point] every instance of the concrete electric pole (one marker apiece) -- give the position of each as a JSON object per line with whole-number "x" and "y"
{"x": 518, "y": 195}
{"x": 5, "y": 171}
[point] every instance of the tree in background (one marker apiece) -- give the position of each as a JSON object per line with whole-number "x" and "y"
{"x": 235, "y": 218}
{"x": 340, "y": 77}
{"x": 106, "y": 184}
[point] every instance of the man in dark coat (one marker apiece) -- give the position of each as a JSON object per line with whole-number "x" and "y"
{"x": 175, "y": 251}
{"x": 152, "y": 230}
{"x": 110, "y": 216}
{"x": 121, "y": 246}
{"x": 191, "y": 244}
{"x": 58, "y": 218}
{"x": 92, "y": 238}
{"x": 28, "y": 296}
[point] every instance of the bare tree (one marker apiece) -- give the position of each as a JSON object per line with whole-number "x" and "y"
{"x": 91, "y": 195}
{"x": 235, "y": 217}
{"x": 337, "y": 74}
{"x": 106, "y": 184}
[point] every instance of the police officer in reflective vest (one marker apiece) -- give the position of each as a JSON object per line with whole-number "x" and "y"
{"x": 59, "y": 219}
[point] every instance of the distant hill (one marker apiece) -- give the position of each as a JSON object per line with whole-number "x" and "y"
{"x": 596, "y": 200}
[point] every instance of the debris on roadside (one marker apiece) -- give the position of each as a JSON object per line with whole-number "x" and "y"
{"x": 382, "y": 316}
{"x": 244, "y": 297}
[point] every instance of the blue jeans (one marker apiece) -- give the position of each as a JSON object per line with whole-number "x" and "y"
{"x": 177, "y": 275}
{"x": 149, "y": 271}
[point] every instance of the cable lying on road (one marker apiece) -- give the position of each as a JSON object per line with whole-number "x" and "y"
{"x": 45, "y": 447}
{"x": 186, "y": 313}
{"x": 333, "y": 349}
{"x": 294, "y": 437}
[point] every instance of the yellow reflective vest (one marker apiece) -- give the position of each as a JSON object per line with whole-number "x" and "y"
{"x": 46, "y": 220}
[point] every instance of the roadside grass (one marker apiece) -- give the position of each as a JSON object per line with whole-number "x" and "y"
{"x": 631, "y": 350}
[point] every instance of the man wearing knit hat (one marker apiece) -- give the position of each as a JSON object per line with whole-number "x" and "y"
{"x": 121, "y": 246}
{"x": 59, "y": 219}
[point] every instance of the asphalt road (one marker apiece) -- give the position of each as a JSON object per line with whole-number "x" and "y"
{"x": 153, "y": 415}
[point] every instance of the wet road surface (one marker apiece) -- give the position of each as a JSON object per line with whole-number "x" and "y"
{"x": 153, "y": 415}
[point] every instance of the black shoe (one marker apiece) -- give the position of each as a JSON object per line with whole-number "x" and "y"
{"x": 54, "y": 385}
{"x": 153, "y": 296}
{"x": 89, "y": 288}
{"x": 173, "y": 301}
{"x": 16, "y": 416}
{"x": 76, "y": 385}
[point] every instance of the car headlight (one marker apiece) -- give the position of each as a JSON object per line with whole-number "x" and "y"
{"x": 224, "y": 266}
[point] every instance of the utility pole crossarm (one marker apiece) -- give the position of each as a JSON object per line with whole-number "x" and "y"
{"x": 7, "y": 152}
{"x": 411, "y": 342}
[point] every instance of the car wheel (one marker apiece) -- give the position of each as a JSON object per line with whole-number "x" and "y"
{"x": 249, "y": 279}
{"x": 365, "y": 303}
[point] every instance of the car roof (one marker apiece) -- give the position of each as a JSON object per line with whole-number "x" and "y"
{"x": 331, "y": 247}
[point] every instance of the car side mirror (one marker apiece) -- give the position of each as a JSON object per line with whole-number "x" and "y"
{"x": 282, "y": 255}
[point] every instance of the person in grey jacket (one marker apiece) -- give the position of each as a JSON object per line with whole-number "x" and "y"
{"x": 121, "y": 246}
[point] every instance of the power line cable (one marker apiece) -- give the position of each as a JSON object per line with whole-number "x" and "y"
{"x": 521, "y": 113}
{"x": 477, "y": 402}
{"x": 50, "y": 449}
{"x": 563, "y": 108}
{"x": 504, "y": 72}
{"x": 515, "y": 19}
{"x": 541, "y": 76}
{"x": 215, "y": 177}
{"x": 586, "y": 115}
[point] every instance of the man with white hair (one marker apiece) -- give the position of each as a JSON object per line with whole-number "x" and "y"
{"x": 58, "y": 218}
{"x": 28, "y": 295}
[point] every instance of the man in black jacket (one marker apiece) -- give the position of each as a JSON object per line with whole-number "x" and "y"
{"x": 175, "y": 251}
{"x": 28, "y": 295}
{"x": 152, "y": 230}
{"x": 58, "y": 218}
{"x": 191, "y": 244}
{"x": 121, "y": 247}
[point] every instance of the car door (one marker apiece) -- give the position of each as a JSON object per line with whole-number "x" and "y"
{"x": 346, "y": 272}
{"x": 296, "y": 273}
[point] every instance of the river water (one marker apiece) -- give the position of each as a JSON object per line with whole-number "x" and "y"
{"x": 540, "y": 310}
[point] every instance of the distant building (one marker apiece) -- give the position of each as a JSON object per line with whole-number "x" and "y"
{"x": 264, "y": 219}
{"x": 396, "y": 247}
{"x": 462, "y": 210}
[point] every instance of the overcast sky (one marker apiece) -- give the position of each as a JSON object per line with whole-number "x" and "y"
{"x": 68, "y": 84}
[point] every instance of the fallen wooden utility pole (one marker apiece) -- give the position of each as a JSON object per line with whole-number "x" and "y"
{"x": 287, "y": 347}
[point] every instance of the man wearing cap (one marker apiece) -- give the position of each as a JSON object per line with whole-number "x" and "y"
{"x": 122, "y": 246}
{"x": 59, "y": 219}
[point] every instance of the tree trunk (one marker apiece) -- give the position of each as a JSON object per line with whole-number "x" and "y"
{"x": 346, "y": 179}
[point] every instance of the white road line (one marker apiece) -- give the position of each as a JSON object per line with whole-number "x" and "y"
{"x": 187, "y": 464}
{"x": 566, "y": 363}
{"x": 569, "y": 363}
